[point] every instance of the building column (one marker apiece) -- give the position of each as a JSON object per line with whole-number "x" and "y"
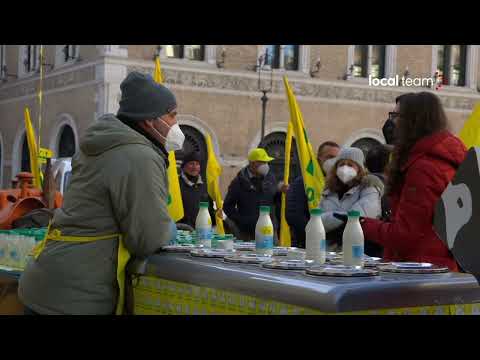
{"x": 110, "y": 76}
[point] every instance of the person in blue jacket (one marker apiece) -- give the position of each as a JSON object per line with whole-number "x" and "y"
{"x": 296, "y": 212}
{"x": 255, "y": 185}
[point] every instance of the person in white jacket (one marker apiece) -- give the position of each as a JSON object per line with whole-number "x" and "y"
{"x": 348, "y": 187}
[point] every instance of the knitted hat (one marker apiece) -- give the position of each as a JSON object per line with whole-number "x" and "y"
{"x": 352, "y": 153}
{"x": 143, "y": 99}
{"x": 192, "y": 156}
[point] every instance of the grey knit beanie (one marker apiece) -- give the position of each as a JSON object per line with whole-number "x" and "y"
{"x": 352, "y": 153}
{"x": 143, "y": 99}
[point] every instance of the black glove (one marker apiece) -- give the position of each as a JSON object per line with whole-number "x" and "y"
{"x": 344, "y": 218}
{"x": 341, "y": 217}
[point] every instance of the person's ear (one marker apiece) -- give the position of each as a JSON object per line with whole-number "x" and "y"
{"x": 146, "y": 124}
{"x": 149, "y": 123}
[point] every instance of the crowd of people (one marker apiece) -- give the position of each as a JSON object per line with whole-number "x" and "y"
{"x": 116, "y": 204}
{"x": 394, "y": 186}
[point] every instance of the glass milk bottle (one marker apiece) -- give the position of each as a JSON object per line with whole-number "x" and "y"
{"x": 353, "y": 241}
{"x": 264, "y": 233}
{"x": 203, "y": 226}
{"x": 316, "y": 244}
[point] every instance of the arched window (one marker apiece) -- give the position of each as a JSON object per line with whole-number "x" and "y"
{"x": 194, "y": 141}
{"x": 365, "y": 144}
{"x": 274, "y": 145}
{"x": 66, "y": 142}
{"x": 25, "y": 161}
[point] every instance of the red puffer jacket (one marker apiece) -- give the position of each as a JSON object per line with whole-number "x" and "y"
{"x": 410, "y": 235}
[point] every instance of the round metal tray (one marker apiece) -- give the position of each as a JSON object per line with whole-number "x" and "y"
{"x": 179, "y": 248}
{"x": 247, "y": 259}
{"x": 433, "y": 269}
{"x": 287, "y": 264}
{"x": 340, "y": 270}
{"x": 281, "y": 251}
{"x": 296, "y": 254}
{"x": 368, "y": 262}
{"x": 211, "y": 253}
{"x": 244, "y": 246}
{"x": 250, "y": 246}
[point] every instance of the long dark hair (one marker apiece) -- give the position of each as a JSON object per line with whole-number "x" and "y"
{"x": 421, "y": 115}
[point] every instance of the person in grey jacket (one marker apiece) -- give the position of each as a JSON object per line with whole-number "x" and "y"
{"x": 119, "y": 185}
{"x": 348, "y": 187}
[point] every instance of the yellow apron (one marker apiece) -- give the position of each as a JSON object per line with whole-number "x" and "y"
{"x": 122, "y": 257}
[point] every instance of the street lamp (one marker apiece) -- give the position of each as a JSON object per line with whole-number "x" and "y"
{"x": 264, "y": 86}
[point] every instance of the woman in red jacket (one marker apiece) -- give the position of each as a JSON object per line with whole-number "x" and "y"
{"x": 425, "y": 158}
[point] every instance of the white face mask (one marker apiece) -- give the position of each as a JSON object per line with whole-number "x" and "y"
{"x": 263, "y": 169}
{"x": 175, "y": 137}
{"x": 346, "y": 173}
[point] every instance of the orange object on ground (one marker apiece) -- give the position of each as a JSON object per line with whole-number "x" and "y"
{"x": 15, "y": 203}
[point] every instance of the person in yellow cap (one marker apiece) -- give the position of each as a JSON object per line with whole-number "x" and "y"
{"x": 254, "y": 186}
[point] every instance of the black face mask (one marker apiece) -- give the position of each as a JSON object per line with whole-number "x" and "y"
{"x": 389, "y": 131}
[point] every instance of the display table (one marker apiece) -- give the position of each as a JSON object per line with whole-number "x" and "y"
{"x": 177, "y": 283}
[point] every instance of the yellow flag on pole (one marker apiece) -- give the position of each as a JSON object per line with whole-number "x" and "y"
{"x": 214, "y": 170}
{"x": 32, "y": 150}
{"x": 285, "y": 238}
{"x": 174, "y": 203}
{"x": 157, "y": 75}
{"x": 312, "y": 175}
{"x": 470, "y": 134}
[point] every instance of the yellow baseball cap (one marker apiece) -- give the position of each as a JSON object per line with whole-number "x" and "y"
{"x": 259, "y": 154}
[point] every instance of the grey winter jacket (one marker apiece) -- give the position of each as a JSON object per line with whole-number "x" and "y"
{"x": 118, "y": 185}
{"x": 364, "y": 198}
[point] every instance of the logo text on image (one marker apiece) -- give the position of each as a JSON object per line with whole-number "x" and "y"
{"x": 401, "y": 81}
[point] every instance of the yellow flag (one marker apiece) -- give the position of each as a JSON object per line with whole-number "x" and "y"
{"x": 311, "y": 172}
{"x": 214, "y": 170}
{"x": 157, "y": 75}
{"x": 174, "y": 203}
{"x": 285, "y": 238}
{"x": 470, "y": 134}
{"x": 33, "y": 150}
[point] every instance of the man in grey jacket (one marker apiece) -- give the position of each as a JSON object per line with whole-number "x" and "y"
{"x": 119, "y": 185}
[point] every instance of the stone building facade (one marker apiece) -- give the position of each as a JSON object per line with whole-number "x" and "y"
{"x": 218, "y": 94}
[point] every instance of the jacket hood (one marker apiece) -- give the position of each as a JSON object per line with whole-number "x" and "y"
{"x": 371, "y": 180}
{"x": 109, "y": 132}
{"x": 442, "y": 145}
